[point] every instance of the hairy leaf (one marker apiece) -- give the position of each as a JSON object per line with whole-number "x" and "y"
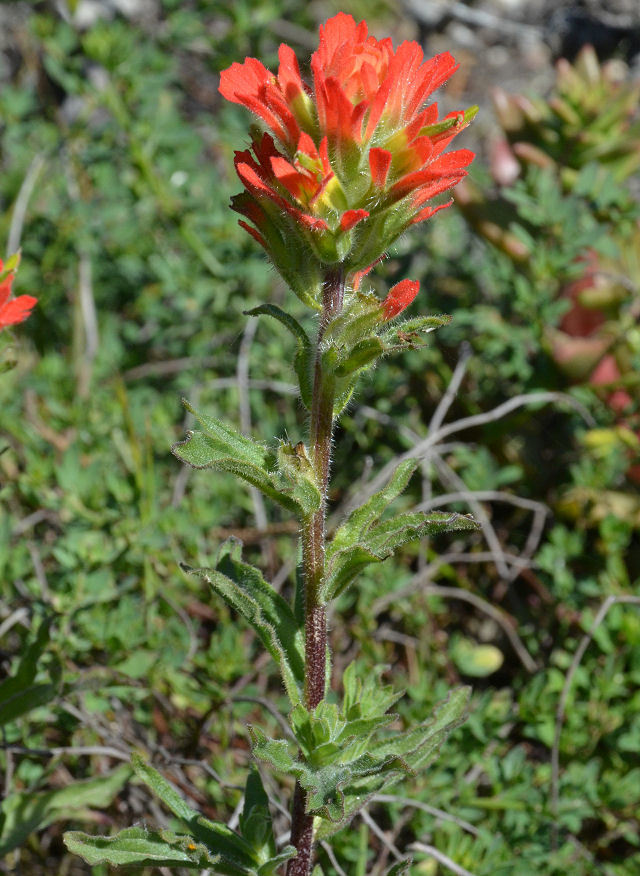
{"x": 216, "y": 837}
{"x": 303, "y": 362}
{"x": 221, "y": 447}
{"x": 365, "y": 352}
{"x": 296, "y": 468}
{"x": 138, "y": 847}
{"x": 363, "y": 517}
{"x": 410, "y": 751}
{"x": 243, "y": 587}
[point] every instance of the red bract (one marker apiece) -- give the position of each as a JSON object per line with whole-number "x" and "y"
{"x": 400, "y": 297}
{"x": 353, "y": 161}
{"x": 17, "y": 309}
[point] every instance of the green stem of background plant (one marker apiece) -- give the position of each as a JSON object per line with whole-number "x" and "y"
{"x": 313, "y": 558}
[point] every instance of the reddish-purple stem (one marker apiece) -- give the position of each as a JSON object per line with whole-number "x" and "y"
{"x": 313, "y": 547}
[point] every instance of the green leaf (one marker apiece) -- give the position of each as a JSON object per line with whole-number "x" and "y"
{"x": 276, "y": 752}
{"x": 28, "y": 665}
{"x": 216, "y": 837}
{"x": 272, "y": 866}
{"x": 303, "y": 362}
{"x": 296, "y": 467}
{"x": 255, "y": 821}
{"x": 344, "y": 568}
{"x": 362, "y": 539}
{"x": 141, "y": 848}
{"x": 26, "y": 811}
{"x": 364, "y": 353}
{"x": 18, "y": 693}
{"x": 243, "y": 587}
{"x": 324, "y": 785}
{"x": 406, "y": 333}
{"x": 363, "y": 517}
{"x": 401, "y": 753}
{"x": 385, "y": 538}
{"x": 420, "y": 744}
{"x": 382, "y": 541}
{"x": 30, "y": 698}
{"x": 230, "y": 442}
{"x": 219, "y": 446}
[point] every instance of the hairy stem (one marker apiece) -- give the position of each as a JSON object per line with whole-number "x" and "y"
{"x": 313, "y": 555}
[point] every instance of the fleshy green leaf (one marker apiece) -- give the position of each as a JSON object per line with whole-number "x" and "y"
{"x": 243, "y": 587}
{"x": 26, "y": 811}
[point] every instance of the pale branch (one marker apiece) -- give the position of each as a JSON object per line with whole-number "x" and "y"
{"x": 443, "y": 859}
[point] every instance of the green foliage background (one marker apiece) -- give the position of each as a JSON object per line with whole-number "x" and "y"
{"x": 115, "y": 142}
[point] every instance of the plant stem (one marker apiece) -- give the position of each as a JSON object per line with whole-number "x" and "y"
{"x": 313, "y": 556}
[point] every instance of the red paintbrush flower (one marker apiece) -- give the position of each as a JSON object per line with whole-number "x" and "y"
{"x": 353, "y": 161}
{"x": 17, "y": 309}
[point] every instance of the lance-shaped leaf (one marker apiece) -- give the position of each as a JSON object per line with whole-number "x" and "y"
{"x": 18, "y": 693}
{"x": 138, "y": 847}
{"x": 257, "y": 829}
{"x": 358, "y": 522}
{"x": 363, "y": 539}
{"x": 414, "y": 749}
{"x": 216, "y": 837}
{"x": 244, "y": 589}
{"x": 219, "y": 446}
{"x": 26, "y": 811}
{"x": 303, "y": 362}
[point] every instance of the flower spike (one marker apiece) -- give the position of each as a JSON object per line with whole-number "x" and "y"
{"x": 352, "y": 162}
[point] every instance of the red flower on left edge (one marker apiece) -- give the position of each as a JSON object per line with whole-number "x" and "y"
{"x": 350, "y": 163}
{"x": 12, "y": 310}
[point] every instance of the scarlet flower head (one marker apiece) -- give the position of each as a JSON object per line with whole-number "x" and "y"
{"x": 351, "y": 162}
{"x": 12, "y": 310}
